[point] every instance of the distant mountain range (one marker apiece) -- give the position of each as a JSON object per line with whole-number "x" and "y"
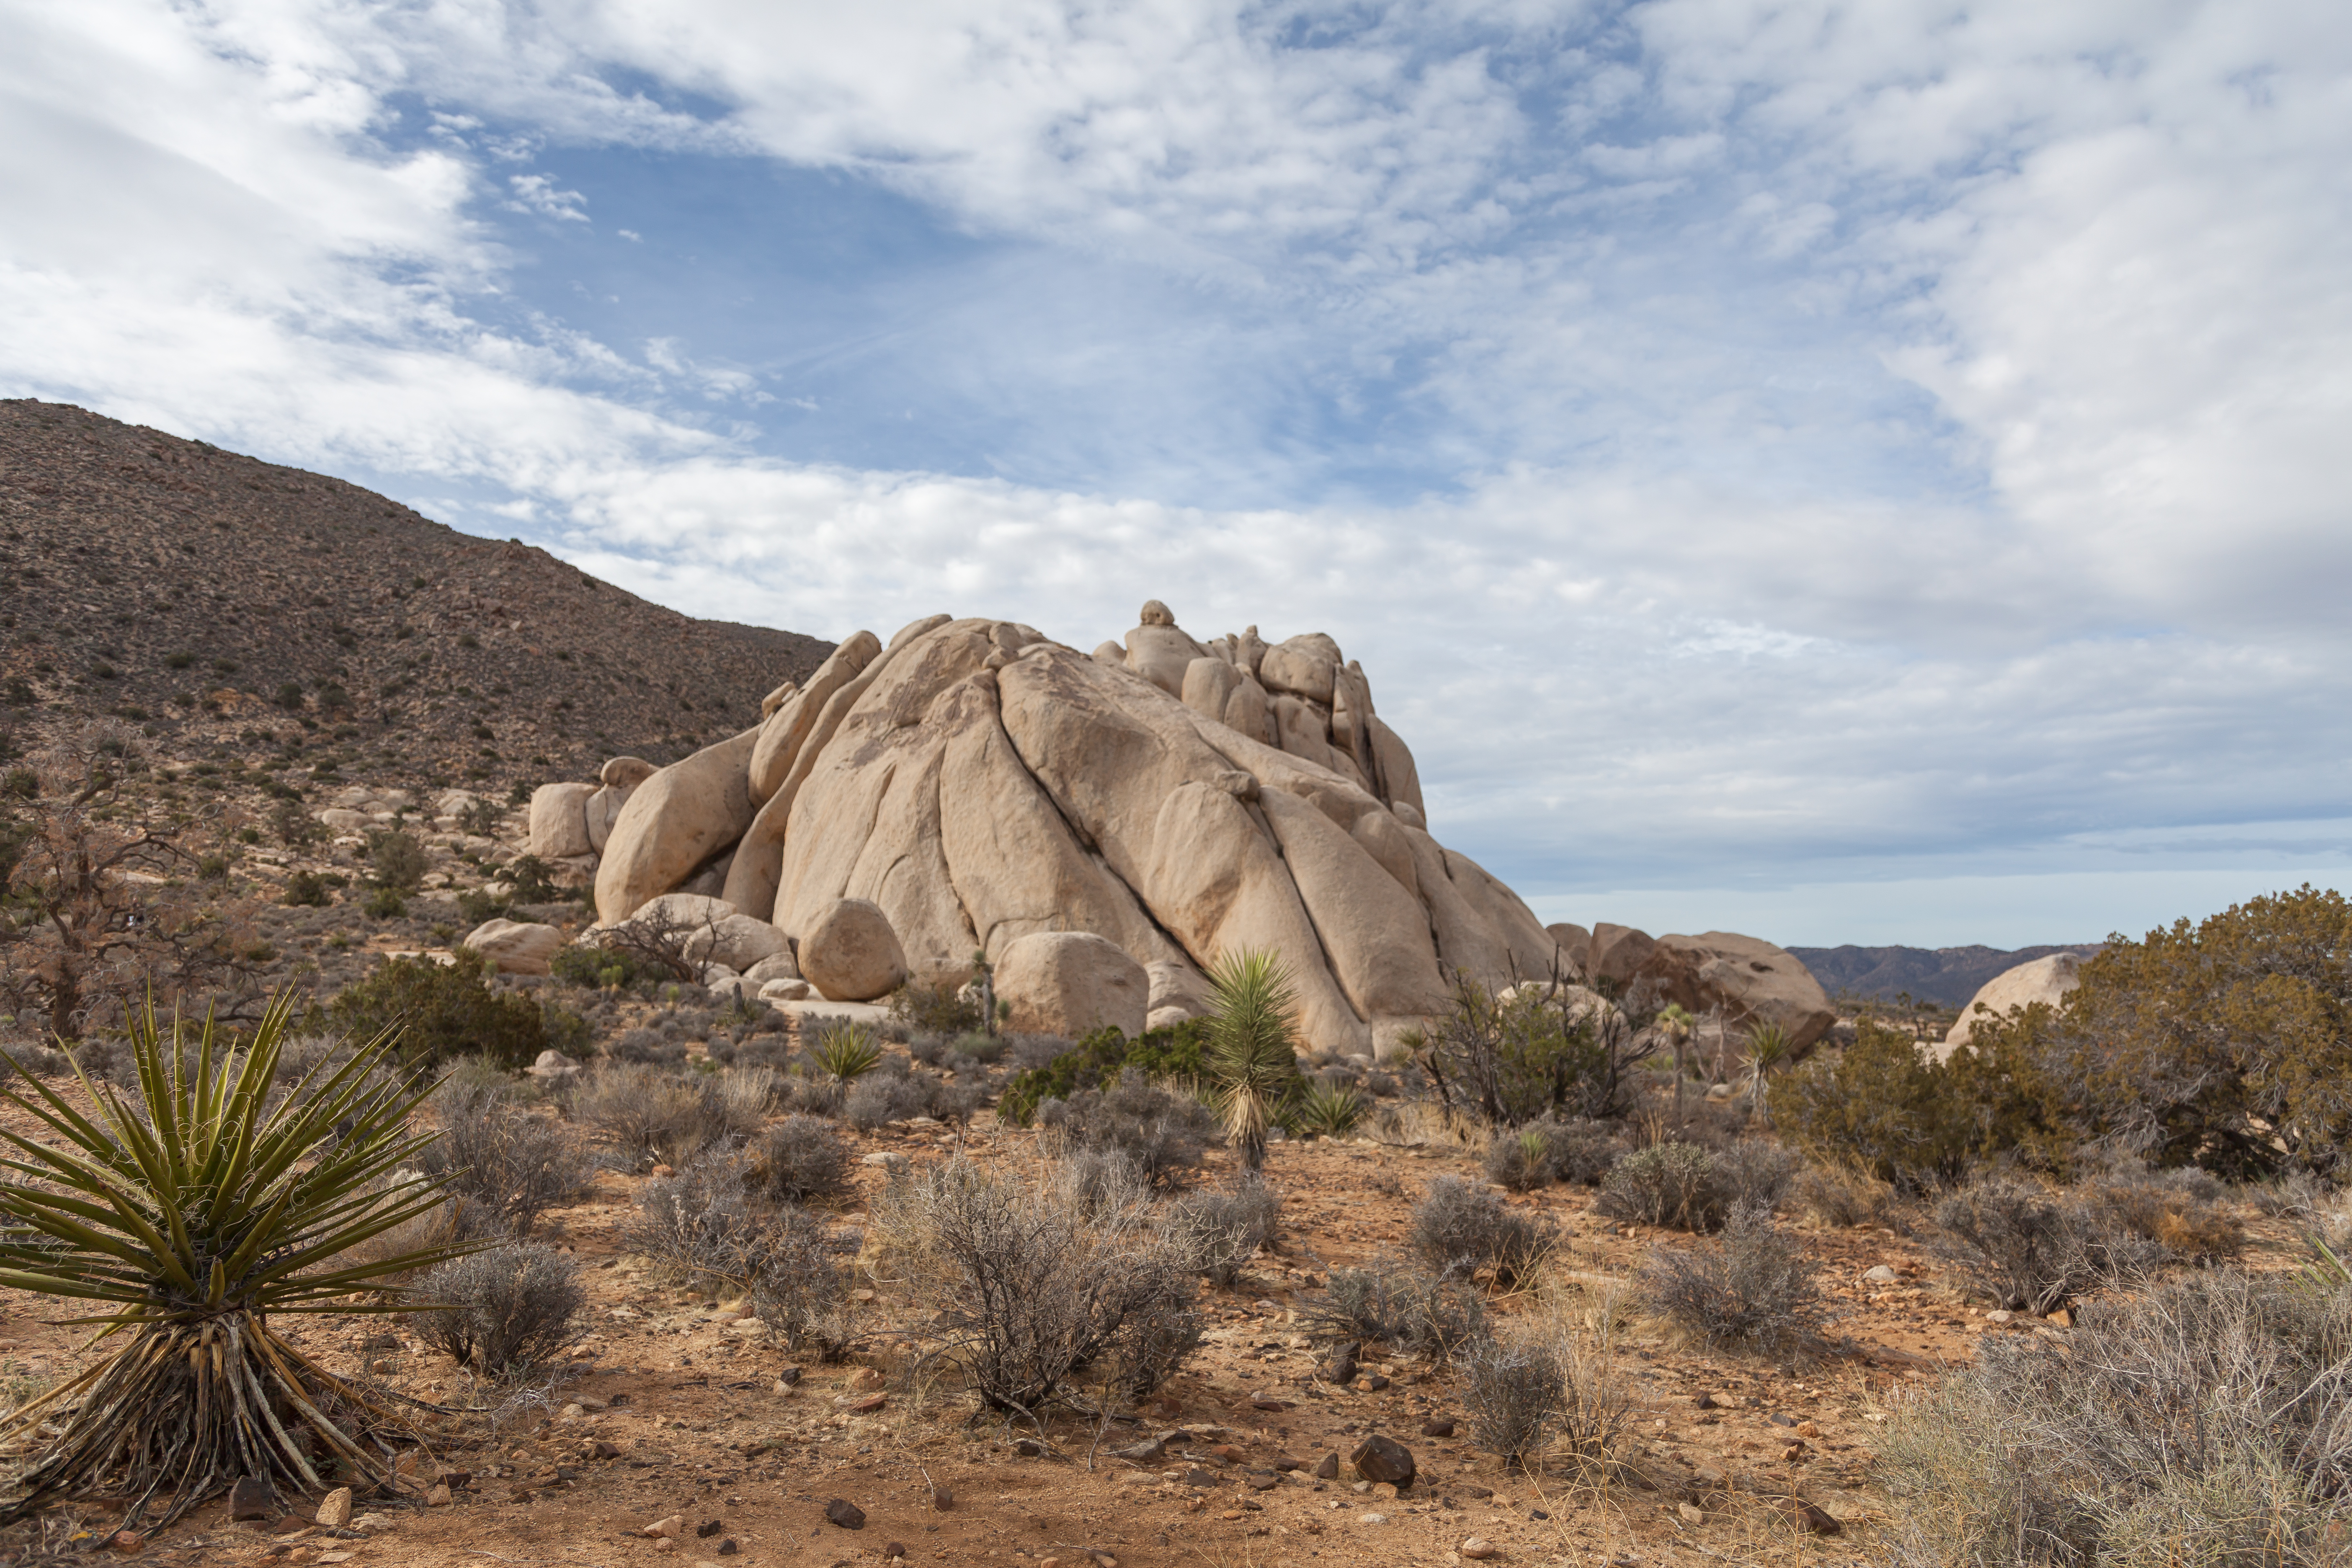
{"x": 1948, "y": 975}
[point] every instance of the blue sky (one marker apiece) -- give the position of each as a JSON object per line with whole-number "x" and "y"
{"x": 1856, "y": 472}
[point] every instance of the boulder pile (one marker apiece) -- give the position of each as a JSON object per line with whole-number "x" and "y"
{"x": 975, "y": 782}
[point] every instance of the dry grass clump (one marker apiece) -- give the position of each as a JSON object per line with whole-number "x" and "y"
{"x": 658, "y": 1118}
{"x": 1162, "y": 1132}
{"x": 1458, "y": 1228}
{"x": 1223, "y": 1229}
{"x": 1432, "y": 1317}
{"x": 798, "y": 1159}
{"x": 2032, "y": 1250}
{"x": 502, "y": 1311}
{"x": 1751, "y": 1288}
{"x": 1683, "y": 1186}
{"x": 1036, "y": 1290}
{"x": 510, "y": 1165}
{"x": 701, "y": 1226}
{"x": 2206, "y": 1421}
{"x": 1844, "y": 1196}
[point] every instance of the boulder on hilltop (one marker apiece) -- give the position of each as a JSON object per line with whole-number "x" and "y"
{"x": 976, "y": 782}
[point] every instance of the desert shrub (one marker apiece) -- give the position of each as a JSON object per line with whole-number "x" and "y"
{"x": 935, "y": 1009}
{"x": 604, "y": 968}
{"x": 1223, "y": 1229}
{"x": 643, "y": 1047}
{"x": 1433, "y": 1317}
{"x": 700, "y": 1225}
{"x": 566, "y": 1030}
{"x": 2226, "y": 1045}
{"x": 1754, "y": 1172}
{"x": 1034, "y": 1290}
{"x": 2180, "y": 1210}
{"x": 1162, "y": 1132}
{"x": 306, "y": 889}
{"x": 1684, "y": 1187}
{"x": 395, "y": 859}
{"x": 1099, "y": 1058}
{"x": 985, "y": 1050}
{"x": 1540, "y": 1050}
{"x": 1520, "y": 1161}
{"x": 844, "y": 1053}
{"x": 36, "y": 1059}
{"x": 798, "y": 1159}
{"x": 1666, "y": 1184}
{"x": 440, "y": 1011}
{"x": 1581, "y": 1150}
{"x": 1328, "y": 1110}
{"x": 2207, "y": 1420}
{"x": 1514, "y": 1395}
{"x": 1881, "y": 1106}
{"x": 503, "y": 1310}
{"x": 653, "y": 1116}
{"x": 886, "y": 1097}
{"x": 2032, "y": 1250}
{"x": 510, "y": 1166}
{"x": 1752, "y": 1287}
{"x": 1459, "y": 1227}
{"x": 1842, "y": 1196}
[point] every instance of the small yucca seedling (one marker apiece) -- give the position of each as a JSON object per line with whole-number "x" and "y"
{"x": 1330, "y": 1110}
{"x": 846, "y": 1053}
{"x": 1253, "y": 1046}
{"x": 187, "y": 1215}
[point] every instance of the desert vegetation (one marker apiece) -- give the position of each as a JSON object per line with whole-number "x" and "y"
{"x": 2063, "y": 1297}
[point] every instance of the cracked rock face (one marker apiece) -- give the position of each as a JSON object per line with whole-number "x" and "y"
{"x": 977, "y": 784}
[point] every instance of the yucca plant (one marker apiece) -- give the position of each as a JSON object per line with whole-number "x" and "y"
{"x": 186, "y": 1215}
{"x": 1329, "y": 1110}
{"x": 1252, "y": 1047}
{"x": 846, "y": 1053}
{"x": 1768, "y": 1051}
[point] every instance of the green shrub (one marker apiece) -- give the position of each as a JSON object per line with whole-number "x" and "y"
{"x": 306, "y": 888}
{"x": 2226, "y": 1045}
{"x": 1883, "y": 1105}
{"x": 396, "y": 859}
{"x": 442, "y": 1012}
{"x": 1541, "y": 1051}
{"x": 935, "y": 1009}
{"x": 1174, "y": 1053}
{"x": 386, "y": 904}
{"x": 604, "y": 968}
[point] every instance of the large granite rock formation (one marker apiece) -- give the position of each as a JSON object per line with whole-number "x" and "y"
{"x": 979, "y": 782}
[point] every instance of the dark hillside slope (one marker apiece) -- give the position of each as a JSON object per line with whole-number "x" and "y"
{"x": 211, "y": 597}
{"x": 1948, "y": 975}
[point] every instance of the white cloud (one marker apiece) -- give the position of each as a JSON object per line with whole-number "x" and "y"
{"x": 1875, "y": 437}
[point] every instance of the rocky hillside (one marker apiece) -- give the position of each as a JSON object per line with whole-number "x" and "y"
{"x": 1946, "y": 976}
{"x": 214, "y": 597}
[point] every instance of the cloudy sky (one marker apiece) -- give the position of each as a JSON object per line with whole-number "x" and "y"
{"x": 1850, "y": 472}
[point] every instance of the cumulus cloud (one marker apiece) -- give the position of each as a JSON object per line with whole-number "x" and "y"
{"x": 1747, "y": 445}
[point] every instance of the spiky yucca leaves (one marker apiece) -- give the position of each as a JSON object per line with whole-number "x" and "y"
{"x": 187, "y": 1215}
{"x": 1253, "y": 1046}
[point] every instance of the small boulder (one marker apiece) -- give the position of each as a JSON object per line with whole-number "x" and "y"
{"x": 1751, "y": 980}
{"x": 559, "y": 820}
{"x": 779, "y": 967}
{"x": 783, "y": 990}
{"x": 1070, "y": 984}
{"x": 335, "y": 1508}
{"x": 1378, "y": 1459}
{"x": 1477, "y": 1548}
{"x": 517, "y": 947}
{"x": 851, "y": 954}
{"x": 845, "y": 1514}
{"x": 738, "y": 941}
{"x": 627, "y": 772}
{"x": 1617, "y": 952}
{"x": 669, "y": 1528}
{"x": 553, "y": 1065}
{"x": 1327, "y": 1468}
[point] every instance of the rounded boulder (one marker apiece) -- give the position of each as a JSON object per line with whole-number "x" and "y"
{"x": 517, "y": 947}
{"x": 1072, "y": 982}
{"x": 851, "y": 954}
